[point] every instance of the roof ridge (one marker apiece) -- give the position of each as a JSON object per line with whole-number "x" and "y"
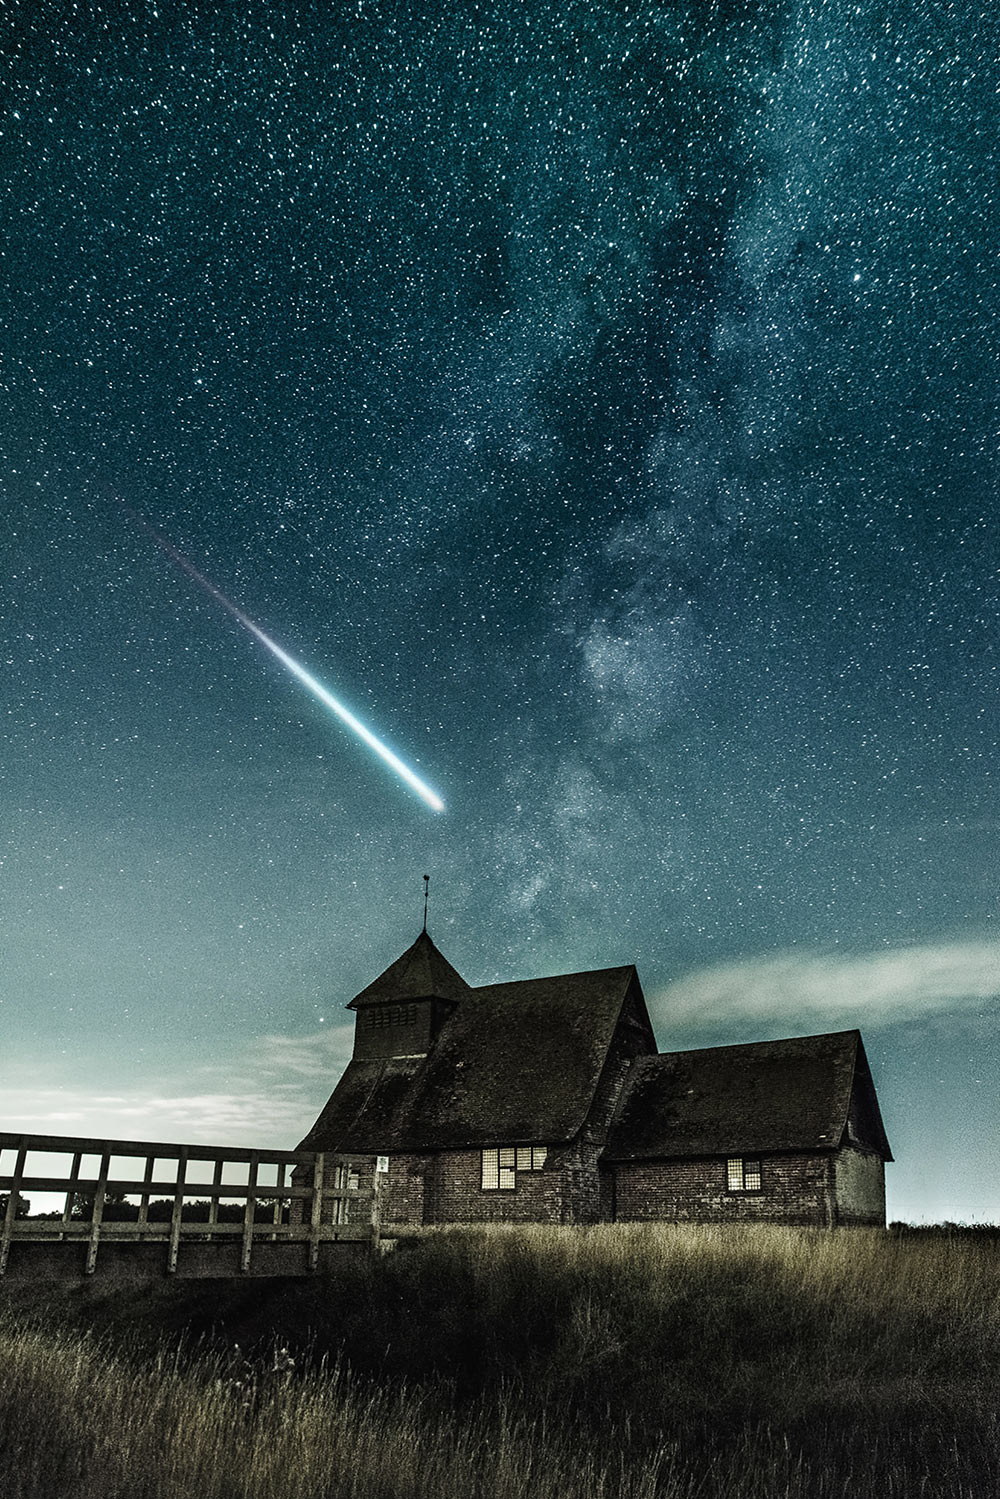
{"x": 547, "y": 978}
{"x": 687, "y": 1051}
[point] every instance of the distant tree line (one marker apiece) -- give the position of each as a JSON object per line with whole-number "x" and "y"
{"x": 119, "y": 1209}
{"x": 978, "y": 1232}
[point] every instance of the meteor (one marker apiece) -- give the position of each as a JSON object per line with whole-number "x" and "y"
{"x": 307, "y": 679}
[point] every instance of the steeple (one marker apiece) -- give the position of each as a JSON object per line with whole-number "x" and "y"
{"x": 422, "y": 972}
{"x": 400, "y": 1013}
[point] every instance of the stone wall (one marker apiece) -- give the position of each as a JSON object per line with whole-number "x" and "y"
{"x": 797, "y": 1189}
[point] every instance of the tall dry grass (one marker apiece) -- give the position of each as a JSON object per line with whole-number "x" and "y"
{"x": 77, "y": 1421}
{"x": 681, "y": 1363}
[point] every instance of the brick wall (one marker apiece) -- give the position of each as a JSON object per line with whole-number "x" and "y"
{"x": 445, "y": 1188}
{"x": 794, "y": 1189}
{"x": 590, "y": 1193}
{"x": 860, "y": 1183}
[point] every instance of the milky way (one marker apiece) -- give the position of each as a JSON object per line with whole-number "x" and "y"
{"x": 609, "y": 388}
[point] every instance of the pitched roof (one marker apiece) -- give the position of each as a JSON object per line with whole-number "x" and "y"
{"x": 423, "y": 972}
{"x": 513, "y": 1062}
{"x": 360, "y": 1114}
{"x": 743, "y": 1100}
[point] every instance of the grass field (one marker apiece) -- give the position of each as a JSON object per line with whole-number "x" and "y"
{"x": 683, "y": 1363}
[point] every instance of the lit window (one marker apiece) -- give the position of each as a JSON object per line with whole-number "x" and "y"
{"x": 501, "y": 1163}
{"x": 743, "y": 1175}
{"x": 530, "y": 1157}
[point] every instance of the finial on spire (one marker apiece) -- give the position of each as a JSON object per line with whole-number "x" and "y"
{"x": 427, "y": 882}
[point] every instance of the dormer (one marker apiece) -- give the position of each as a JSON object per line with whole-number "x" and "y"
{"x": 401, "y": 1012}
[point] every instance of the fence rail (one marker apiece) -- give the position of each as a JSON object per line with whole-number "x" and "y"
{"x": 108, "y": 1186}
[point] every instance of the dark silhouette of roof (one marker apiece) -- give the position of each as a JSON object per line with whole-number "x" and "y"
{"x": 423, "y": 972}
{"x": 748, "y": 1100}
{"x": 514, "y": 1062}
{"x": 520, "y": 1062}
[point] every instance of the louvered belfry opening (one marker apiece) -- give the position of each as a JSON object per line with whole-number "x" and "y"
{"x": 401, "y": 1012}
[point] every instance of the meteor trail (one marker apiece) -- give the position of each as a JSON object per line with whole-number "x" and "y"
{"x": 290, "y": 664}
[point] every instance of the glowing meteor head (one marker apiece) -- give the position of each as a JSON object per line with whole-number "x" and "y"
{"x": 345, "y": 715}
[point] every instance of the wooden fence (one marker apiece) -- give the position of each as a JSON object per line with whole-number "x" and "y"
{"x": 287, "y": 1205}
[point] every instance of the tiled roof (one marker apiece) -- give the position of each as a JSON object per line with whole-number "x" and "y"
{"x": 361, "y": 1112}
{"x": 745, "y": 1100}
{"x": 423, "y": 972}
{"x": 513, "y": 1062}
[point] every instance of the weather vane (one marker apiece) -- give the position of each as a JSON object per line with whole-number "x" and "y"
{"x": 427, "y": 883}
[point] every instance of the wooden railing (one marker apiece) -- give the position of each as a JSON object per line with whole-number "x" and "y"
{"x": 106, "y": 1188}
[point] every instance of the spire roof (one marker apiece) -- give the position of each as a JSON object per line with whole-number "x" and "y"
{"x": 422, "y": 972}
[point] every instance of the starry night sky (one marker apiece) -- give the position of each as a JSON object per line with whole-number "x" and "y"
{"x": 601, "y": 398}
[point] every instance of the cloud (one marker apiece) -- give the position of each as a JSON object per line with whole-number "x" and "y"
{"x": 317, "y": 1055}
{"x": 875, "y": 988}
{"x": 267, "y": 1095}
{"x": 273, "y": 1117}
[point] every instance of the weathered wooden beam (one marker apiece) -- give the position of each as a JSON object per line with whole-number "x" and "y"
{"x": 135, "y": 1187}
{"x": 248, "y": 1217}
{"x": 280, "y": 1199}
{"x": 147, "y": 1180}
{"x": 176, "y": 1215}
{"x": 161, "y": 1149}
{"x": 97, "y": 1213}
{"x": 27, "y": 1231}
{"x": 376, "y": 1208}
{"x": 213, "y": 1205}
{"x": 72, "y": 1185}
{"x": 13, "y": 1201}
{"x": 316, "y": 1216}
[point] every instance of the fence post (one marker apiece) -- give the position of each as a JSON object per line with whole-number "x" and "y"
{"x": 147, "y": 1181}
{"x": 317, "y": 1209}
{"x": 12, "y": 1202}
{"x": 249, "y": 1213}
{"x": 74, "y": 1177}
{"x": 97, "y": 1213}
{"x": 178, "y": 1209}
{"x": 279, "y": 1203}
{"x": 213, "y": 1202}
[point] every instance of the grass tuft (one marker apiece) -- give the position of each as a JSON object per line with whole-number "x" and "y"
{"x": 640, "y": 1362}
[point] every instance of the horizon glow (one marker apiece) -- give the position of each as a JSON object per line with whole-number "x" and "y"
{"x": 410, "y": 777}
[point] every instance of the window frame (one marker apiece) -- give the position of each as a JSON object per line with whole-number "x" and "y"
{"x": 499, "y": 1165}
{"x": 750, "y": 1171}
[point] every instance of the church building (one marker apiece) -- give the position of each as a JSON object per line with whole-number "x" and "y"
{"x": 546, "y": 1101}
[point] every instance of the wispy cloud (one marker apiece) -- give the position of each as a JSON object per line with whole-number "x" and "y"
{"x": 874, "y": 988}
{"x": 269, "y": 1094}
{"x": 310, "y": 1056}
{"x": 276, "y": 1117}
